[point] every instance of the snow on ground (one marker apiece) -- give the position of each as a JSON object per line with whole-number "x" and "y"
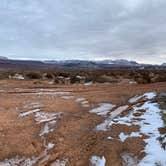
{"x": 149, "y": 123}
{"x": 135, "y": 99}
{"x": 153, "y": 121}
{"x": 17, "y": 76}
{"x": 148, "y": 96}
{"x": 118, "y": 111}
{"x": 41, "y": 117}
{"x": 82, "y": 101}
{"x": 129, "y": 159}
{"x": 23, "y": 161}
{"x": 48, "y": 127}
{"x": 51, "y": 93}
{"x": 59, "y": 163}
{"x": 49, "y": 119}
{"x": 18, "y": 161}
{"x": 123, "y": 136}
{"x": 32, "y": 105}
{"x": 50, "y": 145}
{"x": 103, "y": 126}
{"x": 23, "y": 114}
{"x": 103, "y": 109}
{"x": 67, "y": 97}
{"x": 98, "y": 161}
{"x": 78, "y": 100}
{"x": 88, "y": 83}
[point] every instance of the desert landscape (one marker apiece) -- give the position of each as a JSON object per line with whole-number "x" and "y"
{"x": 105, "y": 123}
{"x": 82, "y": 83}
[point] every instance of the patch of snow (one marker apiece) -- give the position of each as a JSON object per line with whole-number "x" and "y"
{"x": 135, "y": 99}
{"x": 17, "y": 76}
{"x": 98, "y": 161}
{"x": 42, "y": 117}
{"x": 103, "y": 109}
{"x": 50, "y": 146}
{"x": 2, "y": 91}
{"x": 110, "y": 138}
{"x": 129, "y": 159}
{"x": 118, "y": 111}
{"x": 33, "y": 105}
{"x": 135, "y": 134}
{"x": 123, "y": 136}
{"x": 78, "y": 100}
{"x": 103, "y": 126}
{"x": 67, "y": 97}
{"x": 48, "y": 127}
{"x": 23, "y": 114}
{"x": 132, "y": 82}
{"x": 59, "y": 163}
{"x": 153, "y": 119}
{"x": 148, "y": 95}
{"x": 84, "y": 102}
{"x": 51, "y": 82}
{"x": 22, "y": 161}
{"x": 150, "y": 121}
{"x": 52, "y": 93}
{"x": 86, "y": 105}
{"x": 88, "y": 83}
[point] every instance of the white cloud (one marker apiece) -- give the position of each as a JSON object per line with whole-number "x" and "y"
{"x": 61, "y": 29}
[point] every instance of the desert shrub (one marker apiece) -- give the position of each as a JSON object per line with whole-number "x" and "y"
{"x": 105, "y": 78}
{"x": 47, "y": 75}
{"x": 33, "y": 75}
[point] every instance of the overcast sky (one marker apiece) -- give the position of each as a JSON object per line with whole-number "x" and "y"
{"x": 84, "y": 29}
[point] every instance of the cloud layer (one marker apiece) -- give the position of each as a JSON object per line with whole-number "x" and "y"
{"x": 88, "y": 29}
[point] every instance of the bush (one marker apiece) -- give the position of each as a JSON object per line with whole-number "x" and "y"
{"x": 33, "y": 75}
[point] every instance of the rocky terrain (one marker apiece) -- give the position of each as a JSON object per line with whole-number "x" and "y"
{"x": 96, "y": 124}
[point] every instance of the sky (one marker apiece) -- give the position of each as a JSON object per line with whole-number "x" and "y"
{"x": 84, "y": 29}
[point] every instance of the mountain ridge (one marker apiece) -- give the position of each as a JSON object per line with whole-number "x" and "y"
{"x": 5, "y": 62}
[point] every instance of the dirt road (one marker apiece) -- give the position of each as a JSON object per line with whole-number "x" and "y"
{"x": 79, "y": 125}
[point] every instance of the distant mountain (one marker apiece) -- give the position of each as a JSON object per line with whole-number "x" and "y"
{"x": 105, "y": 64}
{"x": 8, "y": 63}
{"x": 120, "y": 62}
{"x": 3, "y": 58}
{"x": 164, "y": 64}
{"x": 81, "y": 63}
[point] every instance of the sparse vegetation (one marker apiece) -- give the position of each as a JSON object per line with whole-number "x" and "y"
{"x": 143, "y": 76}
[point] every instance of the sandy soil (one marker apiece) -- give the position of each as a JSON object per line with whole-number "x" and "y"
{"x": 59, "y": 129}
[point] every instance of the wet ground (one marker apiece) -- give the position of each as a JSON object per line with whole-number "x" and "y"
{"x": 81, "y": 125}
